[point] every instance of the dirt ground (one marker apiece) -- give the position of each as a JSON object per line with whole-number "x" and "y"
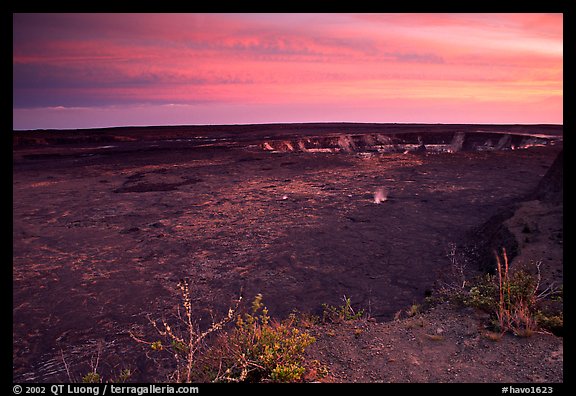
{"x": 102, "y": 234}
{"x": 443, "y": 345}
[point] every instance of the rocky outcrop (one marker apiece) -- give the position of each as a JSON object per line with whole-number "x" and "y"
{"x": 491, "y": 237}
{"x": 496, "y": 234}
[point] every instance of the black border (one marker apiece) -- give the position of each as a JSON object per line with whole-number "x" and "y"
{"x": 566, "y": 7}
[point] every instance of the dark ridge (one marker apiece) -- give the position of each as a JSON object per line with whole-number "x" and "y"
{"x": 257, "y": 132}
{"x": 149, "y": 187}
{"x": 551, "y": 187}
{"x": 490, "y": 238}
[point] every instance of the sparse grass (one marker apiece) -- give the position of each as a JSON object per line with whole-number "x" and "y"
{"x": 343, "y": 313}
{"x": 93, "y": 376}
{"x": 458, "y": 266}
{"x": 124, "y": 376}
{"x": 551, "y": 321}
{"x": 414, "y": 322}
{"x": 413, "y": 310}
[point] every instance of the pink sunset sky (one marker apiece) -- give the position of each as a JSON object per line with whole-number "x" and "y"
{"x": 101, "y": 70}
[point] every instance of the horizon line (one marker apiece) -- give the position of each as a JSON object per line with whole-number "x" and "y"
{"x": 278, "y": 123}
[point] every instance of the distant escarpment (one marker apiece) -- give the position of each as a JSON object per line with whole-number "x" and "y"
{"x": 408, "y": 142}
{"x": 310, "y": 137}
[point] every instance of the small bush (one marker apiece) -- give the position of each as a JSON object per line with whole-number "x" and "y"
{"x": 552, "y": 322}
{"x": 483, "y": 294}
{"x": 257, "y": 349}
{"x": 512, "y": 299}
{"x": 263, "y": 350}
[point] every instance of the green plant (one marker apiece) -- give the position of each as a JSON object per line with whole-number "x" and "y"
{"x": 342, "y": 313}
{"x": 291, "y": 372}
{"x": 156, "y": 346}
{"x": 91, "y": 378}
{"x": 483, "y": 294}
{"x": 263, "y": 350}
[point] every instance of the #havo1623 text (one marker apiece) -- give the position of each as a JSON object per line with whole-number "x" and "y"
{"x": 527, "y": 389}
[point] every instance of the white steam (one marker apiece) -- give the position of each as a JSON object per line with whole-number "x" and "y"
{"x": 381, "y": 195}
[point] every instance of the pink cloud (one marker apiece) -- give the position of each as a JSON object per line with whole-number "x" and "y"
{"x": 362, "y": 61}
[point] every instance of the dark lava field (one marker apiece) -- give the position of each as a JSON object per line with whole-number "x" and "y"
{"x": 106, "y": 222}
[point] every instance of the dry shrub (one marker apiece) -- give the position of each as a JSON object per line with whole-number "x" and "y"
{"x": 517, "y": 299}
{"x": 185, "y": 340}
